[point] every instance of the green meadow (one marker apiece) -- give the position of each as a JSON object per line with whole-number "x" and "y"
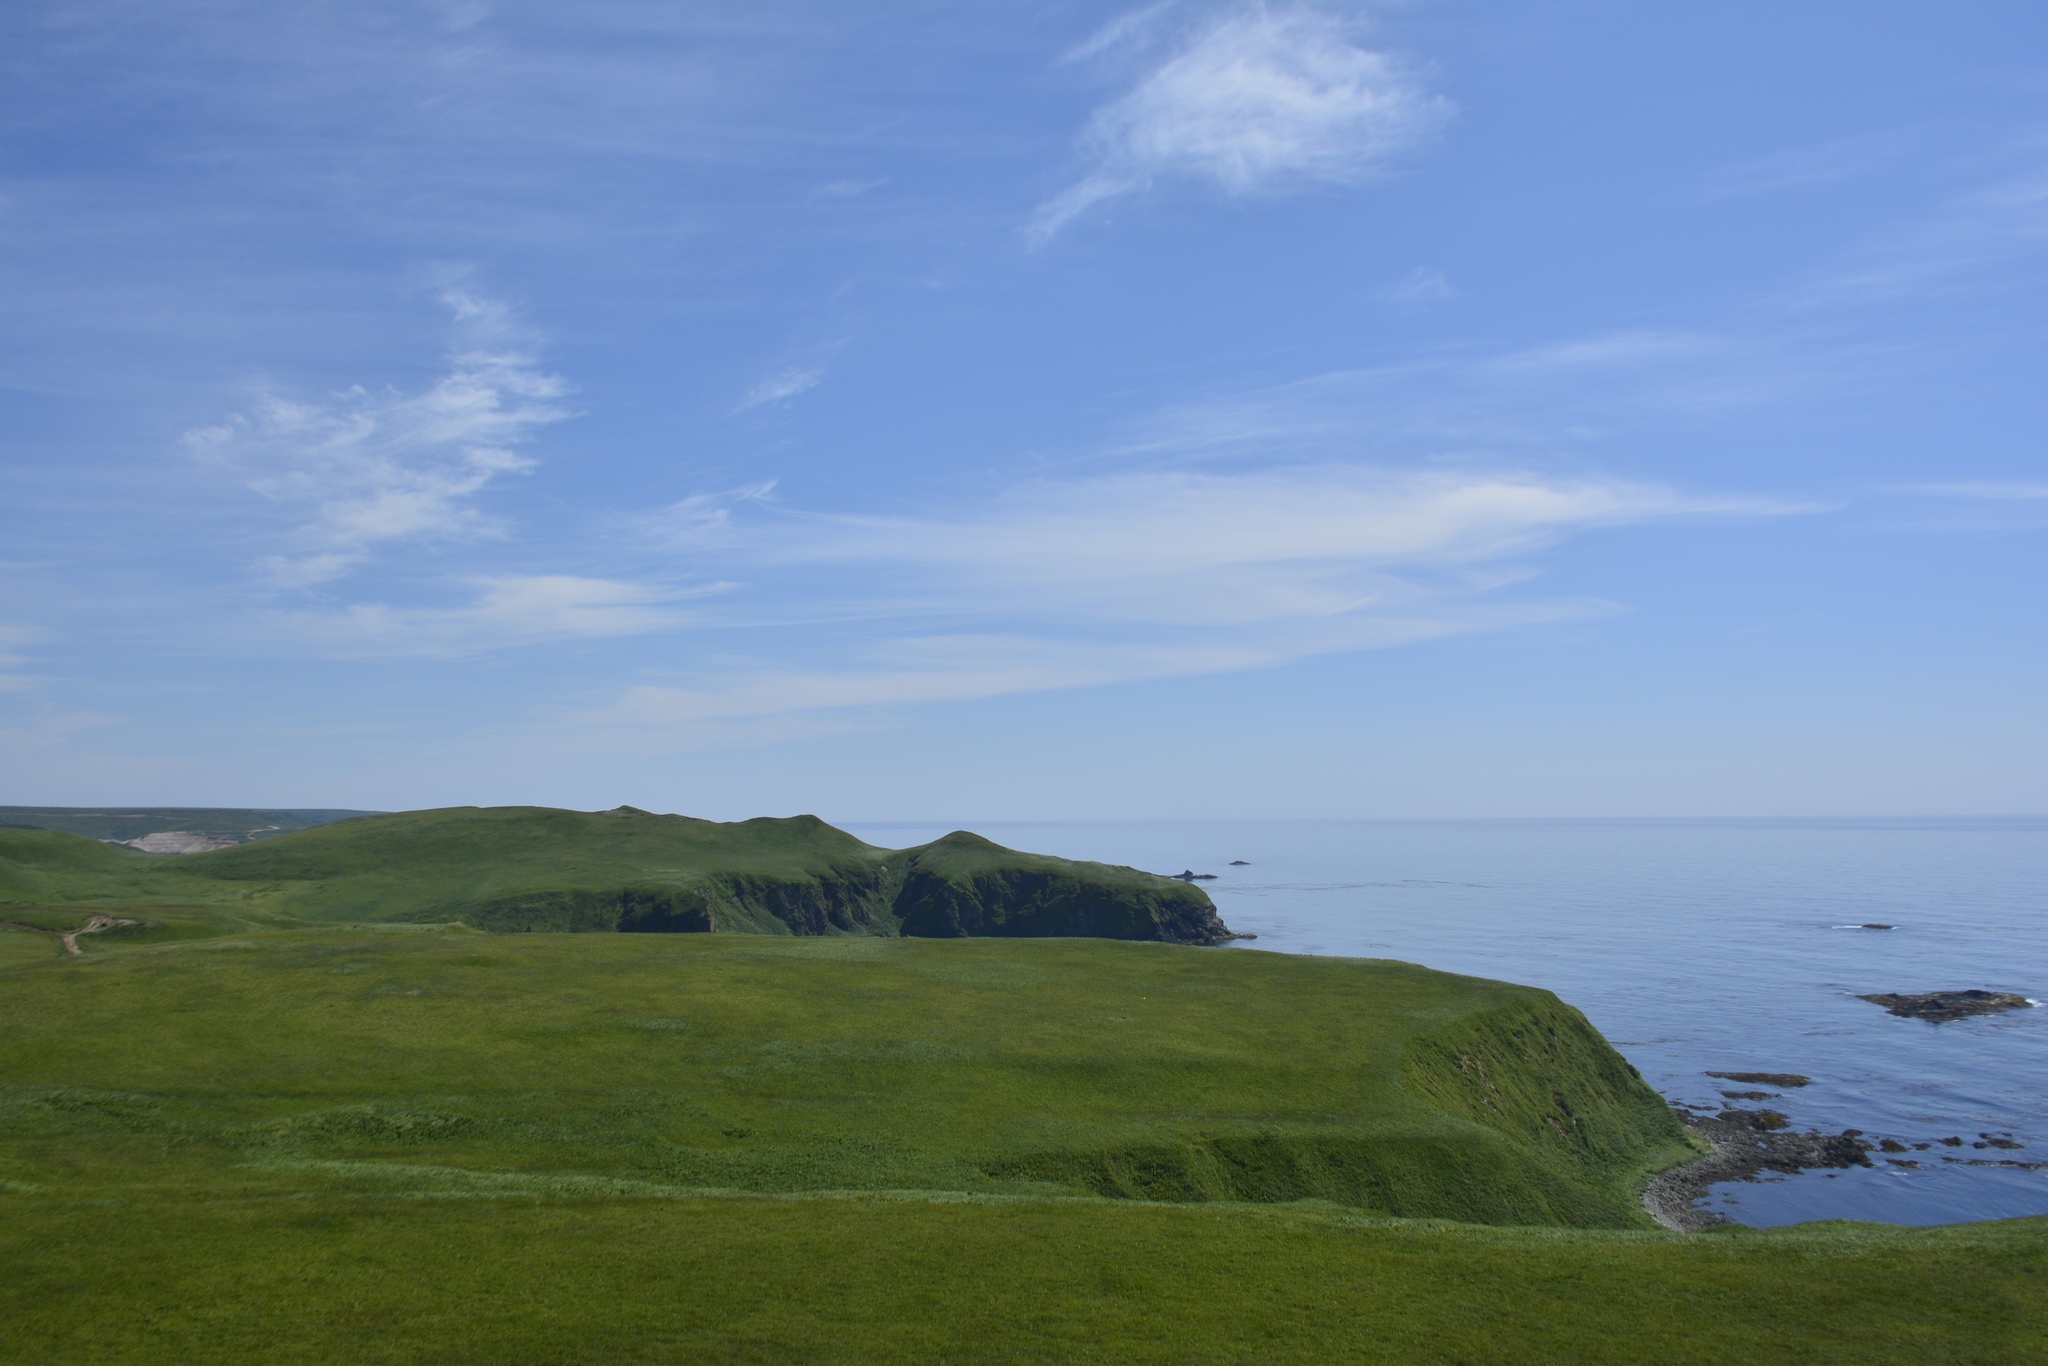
{"x": 228, "y": 1133}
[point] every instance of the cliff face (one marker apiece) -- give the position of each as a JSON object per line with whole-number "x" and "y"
{"x": 962, "y": 886}
{"x": 629, "y": 910}
{"x": 965, "y": 886}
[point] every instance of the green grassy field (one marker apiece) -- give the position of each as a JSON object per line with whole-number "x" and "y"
{"x": 228, "y": 1136}
{"x": 573, "y": 1279}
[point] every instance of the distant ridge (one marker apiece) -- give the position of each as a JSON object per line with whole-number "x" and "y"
{"x": 522, "y": 869}
{"x": 209, "y": 827}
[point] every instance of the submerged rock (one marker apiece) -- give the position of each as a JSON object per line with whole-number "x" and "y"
{"x": 1940, "y": 1006}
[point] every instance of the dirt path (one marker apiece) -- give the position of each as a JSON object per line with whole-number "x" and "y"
{"x": 92, "y": 924}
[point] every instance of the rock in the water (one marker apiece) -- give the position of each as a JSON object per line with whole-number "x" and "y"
{"x": 1239, "y": 863}
{"x": 1939, "y": 1006}
{"x": 1764, "y": 1078}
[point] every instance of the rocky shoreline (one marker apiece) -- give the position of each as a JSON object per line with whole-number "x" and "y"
{"x": 1745, "y": 1143}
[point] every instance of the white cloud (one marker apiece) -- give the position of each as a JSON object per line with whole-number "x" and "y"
{"x": 372, "y": 468}
{"x": 783, "y": 384}
{"x": 1256, "y": 100}
{"x": 517, "y": 609}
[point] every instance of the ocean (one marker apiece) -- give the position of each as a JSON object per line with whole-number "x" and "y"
{"x": 1694, "y": 946}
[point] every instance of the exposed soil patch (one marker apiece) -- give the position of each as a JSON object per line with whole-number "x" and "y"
{"x": 1940, "y": 1006}
{"x": 92, "y": 924}
{"x": 181, "y": 842}
{"x": 1746, "y": 1143}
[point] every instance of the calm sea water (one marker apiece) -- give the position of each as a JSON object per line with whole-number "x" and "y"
{"x": 1694, "y": 946}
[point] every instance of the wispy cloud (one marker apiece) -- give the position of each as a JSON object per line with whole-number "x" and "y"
{"x": 916, "y": 670}
{"x": 12, "y": 638}
{"x": 1423, "y": 286}
{"x": 1259, "y": 99}
{"x": 1988, "y": 227}
{"x": 1538, "y": 401}
{"x": 503, "y": 610}
{"x": 1173, "y": 549}
{"x": 1810, "y": 166}
{"x": 1129, "y": 27}
{"x": 780, "y": 386}
{"x": 51, "y": 727}
{"x": 1088, "y": 582}
{"x": 703, "y": 519}
{"x": 1983, "y": 490}
{"x": 371, "y": 468}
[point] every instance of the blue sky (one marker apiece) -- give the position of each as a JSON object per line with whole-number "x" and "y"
{"x": 1004, "y": 411}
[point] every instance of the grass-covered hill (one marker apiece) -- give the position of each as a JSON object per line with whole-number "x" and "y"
{"x": 1074, "y": 1067}
{"x": 364, "y": 1142}
{"x": 534, "y": 868}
